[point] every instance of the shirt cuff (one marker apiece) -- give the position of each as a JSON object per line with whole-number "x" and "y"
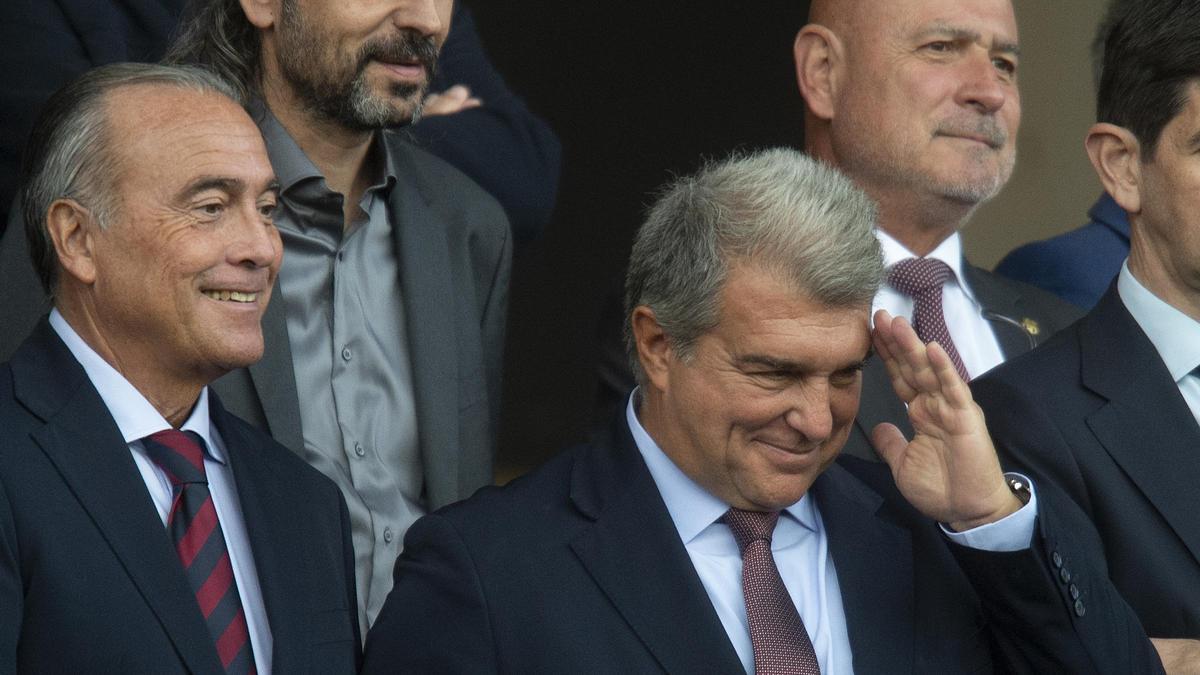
{"x": 1013, "y": 532}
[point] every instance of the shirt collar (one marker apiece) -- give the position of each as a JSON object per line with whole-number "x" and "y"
{"x": 293, "y": 167}
{"x": 1175, "y": 335}
{"x": 134, "y": 415}
{"x": 949, "y": 252}
{"x": 692, "y": 508}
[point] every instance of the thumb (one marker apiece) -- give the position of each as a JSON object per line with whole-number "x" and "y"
{"x": 890, "y": 443}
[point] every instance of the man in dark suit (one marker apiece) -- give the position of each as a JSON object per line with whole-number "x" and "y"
{"x": 711, "y": 530}
{"x": 1108, "y": 409}
{"x": 917, "y": 101}
{"x": 142, "y": 527}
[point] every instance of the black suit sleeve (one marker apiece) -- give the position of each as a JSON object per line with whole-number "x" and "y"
{"x": 511, "y": 152}
{"x": 348, "y": 565}
{"x": 11, "y": 588}
{"x": 436, "y": 618}
{"x": 1051, "y": 608}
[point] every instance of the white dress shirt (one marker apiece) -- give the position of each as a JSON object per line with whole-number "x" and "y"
{"x": 137, "y": 418}
{"x": 801, "y": 551}
{"x": 972, "y": 333}
{"x": 1175, "y": 335}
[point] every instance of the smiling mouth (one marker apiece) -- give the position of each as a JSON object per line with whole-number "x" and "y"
{"x": 232, "y": 296}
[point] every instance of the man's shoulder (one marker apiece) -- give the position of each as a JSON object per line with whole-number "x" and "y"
{"x": 440, "y": 182}
{"x": 1048, "y": 310}
{"x": 537, "y": 499}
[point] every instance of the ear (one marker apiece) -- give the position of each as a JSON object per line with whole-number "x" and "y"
{"x": 262, "y": 14}
{"x": 70, "y": 227}
{"x": 653, "y": 346}
{"x": 1116, "y": 156}
{"x": 817, "y": 53}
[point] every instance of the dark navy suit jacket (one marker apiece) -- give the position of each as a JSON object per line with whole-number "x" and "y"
{"x": 89, "y": 578}
{"x": 1096, "y": 412}
{"x": 1079, "y": 265}
{"x": 578, "y": 568}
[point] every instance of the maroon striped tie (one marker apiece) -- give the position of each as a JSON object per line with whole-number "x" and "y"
{"x": 922, "y": 279}
{"x": 781, "y": 644}
{"x": 200, "y": 544}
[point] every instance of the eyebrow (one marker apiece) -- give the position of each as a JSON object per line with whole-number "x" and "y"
{"x": 783, "y": 365}
{"x": 966, "y": 35}
{"x": 225, "y": 184}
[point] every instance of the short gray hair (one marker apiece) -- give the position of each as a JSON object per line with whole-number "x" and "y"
{"x": 68, "y": 154}
{"x": 780, "y": 209}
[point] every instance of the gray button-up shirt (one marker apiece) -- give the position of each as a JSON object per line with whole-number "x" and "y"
{"x": 345, "y": 321}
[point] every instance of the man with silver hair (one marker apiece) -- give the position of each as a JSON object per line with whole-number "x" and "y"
{"x": 144, "y": 529}
{"x": 384, "y": 354}
{"x": 711, "y": 529}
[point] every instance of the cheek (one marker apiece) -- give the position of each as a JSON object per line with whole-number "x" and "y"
{"x": 843, "y": 405}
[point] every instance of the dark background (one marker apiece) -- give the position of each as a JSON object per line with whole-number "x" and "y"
{"x": 637, "y": 92}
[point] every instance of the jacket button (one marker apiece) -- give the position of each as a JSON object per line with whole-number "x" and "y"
{"x": 1056, "y": 559}
{"x": 1080, "y": 610}
{"x": 1065, "y": 575}
{"x": 1074, "y": 591}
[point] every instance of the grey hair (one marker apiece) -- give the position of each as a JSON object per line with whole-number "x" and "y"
{"x": 68, "y": 154}
{"x": 779, "y": 209}
{"x": 217, "y": 35}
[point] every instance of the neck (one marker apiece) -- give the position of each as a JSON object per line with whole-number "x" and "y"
{"x": 920, "y": 227}
{"x": 340, "y": 154}
{"x": 172, "y": 393}
{"x": 1157, "y": 272}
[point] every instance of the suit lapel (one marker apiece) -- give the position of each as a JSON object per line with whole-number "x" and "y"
{"x": 274, "y": 377}
{"x": 273, "y": 516}
{"x": 999, "y": 304}
{"x": 633, "y": 553}
{"x": 429, "y": 309}
{"x": 85, "y": 445}
{"x": 873, "y": 559}
{"x": 1146, "y": 426}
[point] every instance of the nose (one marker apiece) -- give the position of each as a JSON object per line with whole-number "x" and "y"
{"x": 427, "y": 17}
{"x": 810, "y": 414}
{"x": 255, "y": 242}
{"x": 982, "y": 87}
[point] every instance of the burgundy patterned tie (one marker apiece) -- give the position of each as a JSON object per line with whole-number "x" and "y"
{"x": 781, "y": 644}
{"x": 200, "y": 544}
{"x": 922, "y": 279}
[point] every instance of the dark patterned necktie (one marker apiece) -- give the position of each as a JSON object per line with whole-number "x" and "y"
{"x": 781, "y": 644}
{"x": 922, "y": 279}
{"x": 200, "y": 544}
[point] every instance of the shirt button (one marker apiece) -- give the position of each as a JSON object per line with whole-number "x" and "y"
{"x": 347, "y": 354}
{"x": 359, "y": 450}
{"x": 387, "y": 535}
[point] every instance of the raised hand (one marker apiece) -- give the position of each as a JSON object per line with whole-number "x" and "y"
{"x": 949, "y": 470}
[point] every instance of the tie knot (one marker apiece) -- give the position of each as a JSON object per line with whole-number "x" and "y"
{"x": 179, "y": 453}
{"x": 917, "y": 276}
{"x": 750, "y": 526}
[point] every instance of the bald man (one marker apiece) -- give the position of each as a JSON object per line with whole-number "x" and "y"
{"x": 917, "y": 102}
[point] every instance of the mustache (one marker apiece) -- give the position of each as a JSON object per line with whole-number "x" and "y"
{"x": 986, "y": 129}
{"x": 407, "y": 46}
